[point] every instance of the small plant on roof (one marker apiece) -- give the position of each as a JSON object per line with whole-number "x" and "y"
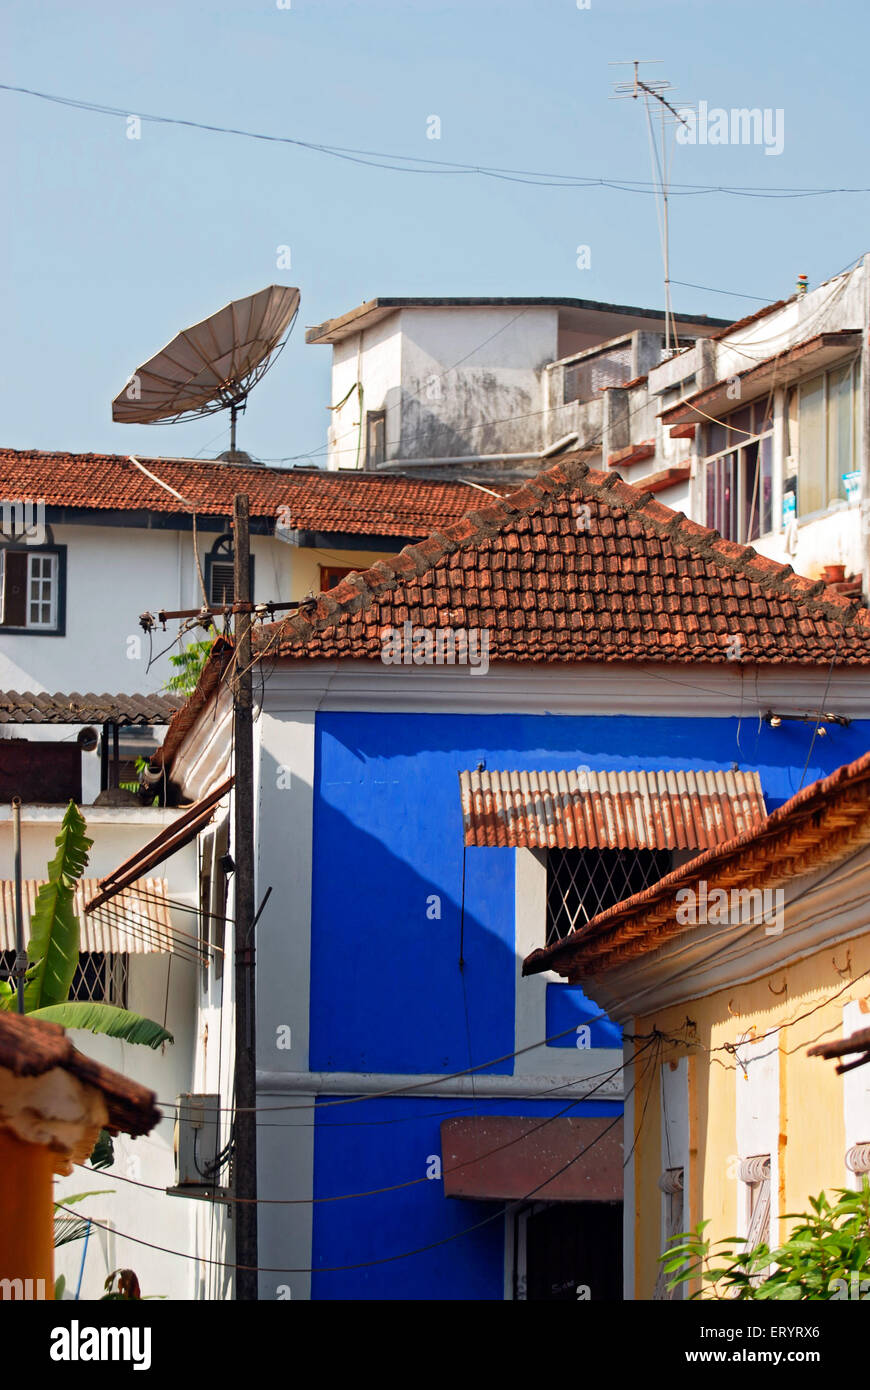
{"x": 189, "y": 663}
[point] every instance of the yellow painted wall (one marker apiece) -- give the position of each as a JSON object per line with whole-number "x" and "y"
{"x": 812, "y": 1140}
{"x": 306, "y": 565}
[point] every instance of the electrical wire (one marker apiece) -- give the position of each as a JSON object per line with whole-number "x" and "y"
{"x": 387, "y": 1259}
{"x": 415, "y": 1182}
{"x": 418, "y": 165}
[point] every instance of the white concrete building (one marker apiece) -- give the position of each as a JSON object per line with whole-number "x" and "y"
{"x": 764, "y": 429}
{"x": 479, "y": 387}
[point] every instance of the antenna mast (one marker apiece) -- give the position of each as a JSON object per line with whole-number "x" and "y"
{"x": 654, "y": 92}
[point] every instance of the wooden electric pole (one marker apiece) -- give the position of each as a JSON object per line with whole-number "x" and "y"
{"x": 245, "y": 1139}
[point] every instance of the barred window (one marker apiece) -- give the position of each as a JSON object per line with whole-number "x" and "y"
{"x": 101, "y": 977}
{"x": 583, "y": 882}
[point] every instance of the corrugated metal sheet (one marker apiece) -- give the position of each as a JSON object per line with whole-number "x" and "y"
{"x": 609, "y": 810}
{"x": 134, "y": 921}
{"x": 26, "y": 707}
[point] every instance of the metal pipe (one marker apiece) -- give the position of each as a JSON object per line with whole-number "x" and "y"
{"x": 20, "y": 949}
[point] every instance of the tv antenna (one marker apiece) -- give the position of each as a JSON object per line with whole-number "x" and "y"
{"x": 653, "y": 94}
{"x": 211, "y": 366}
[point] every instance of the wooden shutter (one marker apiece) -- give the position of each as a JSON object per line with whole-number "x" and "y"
{"x": 14, "y": 589}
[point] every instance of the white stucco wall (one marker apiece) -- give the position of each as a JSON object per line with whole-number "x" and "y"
{"x": 160, "y": 986}
{"x": 113, "y": 574}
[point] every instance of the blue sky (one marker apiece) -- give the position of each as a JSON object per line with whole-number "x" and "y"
{"x": 110, "y": 245}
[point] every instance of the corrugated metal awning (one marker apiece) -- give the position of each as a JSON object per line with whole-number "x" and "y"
{"x": 135, "y": 921}
{"x": 504, "y": 1157}
{"x": 581, "y": 809}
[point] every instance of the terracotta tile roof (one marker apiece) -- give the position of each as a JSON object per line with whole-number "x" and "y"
{"x": 626, "y": 809}
{"x": 28, "y": 708}
{"x": 580, "y": 566}
{"x": 751, "y": 318}
{"x": 820, "y": 825}
{"x": 350, "y": 502}
{"x": 32, "y": 1047}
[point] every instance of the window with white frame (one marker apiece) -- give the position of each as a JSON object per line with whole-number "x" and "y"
{"x": 758, "y": 1170}
{"x": 31, "y": 589}
{"x": 738, "y": 473}
{"x": 213, "y": 886}
{"x": 823, "y": 430}
{"x": 583, "y": 882}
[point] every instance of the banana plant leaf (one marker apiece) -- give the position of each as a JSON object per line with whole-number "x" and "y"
{"x": 106, "y": 1018}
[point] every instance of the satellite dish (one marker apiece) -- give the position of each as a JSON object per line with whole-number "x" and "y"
{"x": 211, "y": 366}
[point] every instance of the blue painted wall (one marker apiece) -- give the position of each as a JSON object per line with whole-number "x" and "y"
{"x": 387, "y": 993}
{"x": 378, "y": 1143}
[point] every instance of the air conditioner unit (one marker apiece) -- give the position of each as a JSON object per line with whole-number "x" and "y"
{"x": 197, "y": 1140}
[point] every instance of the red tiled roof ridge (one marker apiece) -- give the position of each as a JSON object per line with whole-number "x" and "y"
{"x": 801, "y": 803}
{"x": 359, "y": 590}
{"x": 258, "y": 469}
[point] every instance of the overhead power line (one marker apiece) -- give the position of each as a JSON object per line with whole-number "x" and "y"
{"x": 416, "y": 164}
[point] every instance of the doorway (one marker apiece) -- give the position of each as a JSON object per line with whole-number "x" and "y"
{"x": 565, "y": 1252}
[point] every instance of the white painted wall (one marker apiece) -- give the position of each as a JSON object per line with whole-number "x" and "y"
{"x": 160, "y": 986}
{"x": 115, "y": 573}
{"x": 452, "y": 381}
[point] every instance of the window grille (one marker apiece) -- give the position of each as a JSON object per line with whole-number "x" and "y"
{"x": 583, "y": 882}
{"x": 585, "y": 380}
{"x": 101, "y": 977}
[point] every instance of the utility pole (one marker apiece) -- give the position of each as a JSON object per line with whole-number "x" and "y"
{"x": 20, "y": 952}
{"x": 245, "y": 1138}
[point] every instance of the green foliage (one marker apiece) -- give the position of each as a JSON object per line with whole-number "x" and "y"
{"x": 189, "y": 663}
{"x": 827, "y": 1256}
{"x": 54, "y": 928}
{"x": 53, "y": 950}
{"x": 103, "y": 1155}
{"x": 69, "y": 1227}
{"x": 106, "y": 1018}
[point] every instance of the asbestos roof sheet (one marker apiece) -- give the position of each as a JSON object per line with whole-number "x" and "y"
{"x": 582, "y": 809}
{"x": 29, "y": 708}
{"x": 136, "y": 922}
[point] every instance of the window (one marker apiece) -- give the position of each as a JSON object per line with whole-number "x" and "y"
{"x": 213, "y": 884}
{"x": 220, "y": 582}
{"x": 330, "y": 575}
{"x": 739, "y": 473}
{"x": 32, "y": 589}
{"x": 586, "y": 379}
{"x": 376, "y": 437}
{"x": 823, "y": 432}
{"x": 583, "y": 882}
{"x": 100, "y": 977}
